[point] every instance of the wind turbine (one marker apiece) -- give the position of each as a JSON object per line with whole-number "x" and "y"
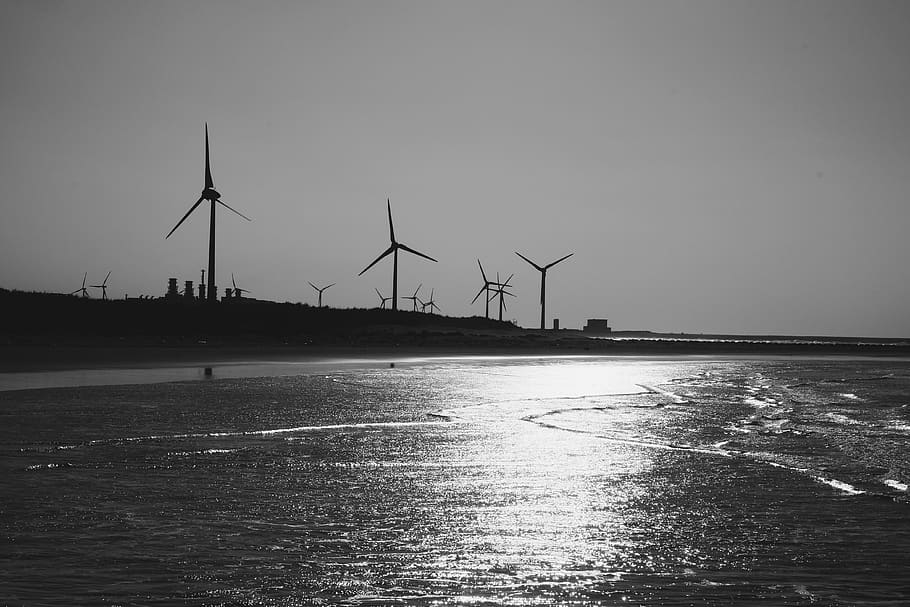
{"x": 320, "y": 290}
{"x": 82, "y": 289}
{"x": 393, "y": 250}
{"x": 543, "y": 283}
{"x": 102, "y": 286}
{"x": 486, "y": 287}
{"x": 429, "y": 302}
{"x": 414, "y": 297}
{"x": 382, "y": 299}
{"x": 501, "y": 292}
{"x": 237, "y": 290}
{"x": 208, "y": 193}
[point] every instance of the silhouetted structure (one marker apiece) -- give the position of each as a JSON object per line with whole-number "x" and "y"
{"x": 597, "y": 325}
{"x": 172, "y": 293}
{"x": 502, "y": 292}
{"x": 382, "y": 299}
{"x": 429, "y": 303}
{"x": 414, "y": 299}
{"x": 393, "y": 249}
{"x": 209, "y": 193}
{"x": 82, "y": 288}
{"x": 486, "y": 287}
{"x": 102, "y": 286}
{"x": 320, "y": 290}
{"x": 238, "y": 292}
{"x": 543, "y": 283}
{"x": 188, "y": 290}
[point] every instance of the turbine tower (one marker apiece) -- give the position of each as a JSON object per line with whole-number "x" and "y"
{"x": 414, "y": 299}
{"x": 102, "y": 286}
{"x": 543, "y": 283}
{"x": 382, "y": 299}
{"x": 209, "y": 193}
{"x": 501, "y": 291}
{"x": 486, "y": 287}
{"x": 393, "y": 250}
{"x": 82, "y": 289}
{"x": 237, "y": 290}
{"x": 320, "y": 291}
{"x": 429, "y": 303}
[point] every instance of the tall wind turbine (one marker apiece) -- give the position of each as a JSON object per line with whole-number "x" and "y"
{"x": 102, "y": 286}
{"x": 543, "y": 283}
{"x": 237, "y": 290}
{"x": 486, "y": 287}
{"x": 393, "y": 250}
{"x": 82, "y": 289}
{"x": 209, "y": 193}
{"x": 430, "y": 303}
{"x": 382, "y": 299}
{"x": 320, "y": 290}
{"x": 414, "y": 299}
{"x": 501, "y": 291}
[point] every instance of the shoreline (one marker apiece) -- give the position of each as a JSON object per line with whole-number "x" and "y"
{"x": 37, "y": 357}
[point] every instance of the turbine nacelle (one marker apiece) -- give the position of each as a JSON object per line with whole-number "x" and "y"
{"x": 210, "y": 194}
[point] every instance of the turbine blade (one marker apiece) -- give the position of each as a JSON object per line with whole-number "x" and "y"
{"x": 391, "y": 228}
{"x": 558, "y": 260}
{"x": 312, "y": 285}
{"x": 232, "y": 281}
{"x": 84, "y": 276}
{"x": 224, "y": 204}
{"x": 410, "y": 250}
{"x": 539, "y": 269}
{"x": 482, "y": 272}
{"x": 331, "y": 285}
{"x": 482, "y": 289}
{"x": 375, "y": 261}
{"x": 509, "y": 279}
{"x": 417, "y": 289}
{"x": 192, "y": 208}
{"x": 378, "y": 293}
{"x": 105, "y": 278}
{"x": 208, "y": 171}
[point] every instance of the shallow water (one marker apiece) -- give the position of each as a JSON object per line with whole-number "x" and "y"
{"x": 499, "y": 481}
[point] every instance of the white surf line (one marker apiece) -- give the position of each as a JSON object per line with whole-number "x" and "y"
{"x": 895, "y": 484}
{"x": 630, "y": 441}
{"x": 273, "y": 432}
{"x": 679, "y": 400}
{"x": 452, "y": 412}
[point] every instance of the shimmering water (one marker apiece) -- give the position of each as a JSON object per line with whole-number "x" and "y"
{"x": 482, "y": 482}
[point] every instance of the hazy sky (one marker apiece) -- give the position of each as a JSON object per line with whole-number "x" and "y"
{"x": 729, "y": 166}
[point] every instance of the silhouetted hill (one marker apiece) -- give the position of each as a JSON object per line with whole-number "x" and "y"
{"x": 28, "y": 315}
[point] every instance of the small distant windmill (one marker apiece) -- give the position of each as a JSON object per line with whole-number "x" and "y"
{"x": 393, "y": 249}
{"x": 543, "y": 283}
{"x": 486, "y": 287}
{"x": 238, "y": 292}
{"x": 382, "y": 299}
{"x": 212, "y": 195}
{"x": 102, "y": 286}
{"x": 82, "y": 288}
{"x": 414, "y": 297}
{"x": 500, "y": 290}
{"x": 320, "y": 291}
{"x": 429, "y": 303}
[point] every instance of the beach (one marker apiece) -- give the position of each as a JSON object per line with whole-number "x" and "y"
{"x": 563, "y": 480}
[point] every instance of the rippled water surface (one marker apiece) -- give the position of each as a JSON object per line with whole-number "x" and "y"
{"x": 483, "y": 482}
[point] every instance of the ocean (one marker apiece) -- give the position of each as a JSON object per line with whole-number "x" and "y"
{"x": 460, "y": 481}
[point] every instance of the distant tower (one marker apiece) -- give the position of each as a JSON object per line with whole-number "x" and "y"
{"x": 201, "y": 292}
{"x": 188, "y": 289}
{"x": 171, "y": 289}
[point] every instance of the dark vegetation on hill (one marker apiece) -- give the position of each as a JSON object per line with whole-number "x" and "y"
{"x": 54, "y": 322}
{"x": 34, "y": 315}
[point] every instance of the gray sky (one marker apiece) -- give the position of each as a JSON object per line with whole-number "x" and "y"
{"x": 714, "y": 166}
